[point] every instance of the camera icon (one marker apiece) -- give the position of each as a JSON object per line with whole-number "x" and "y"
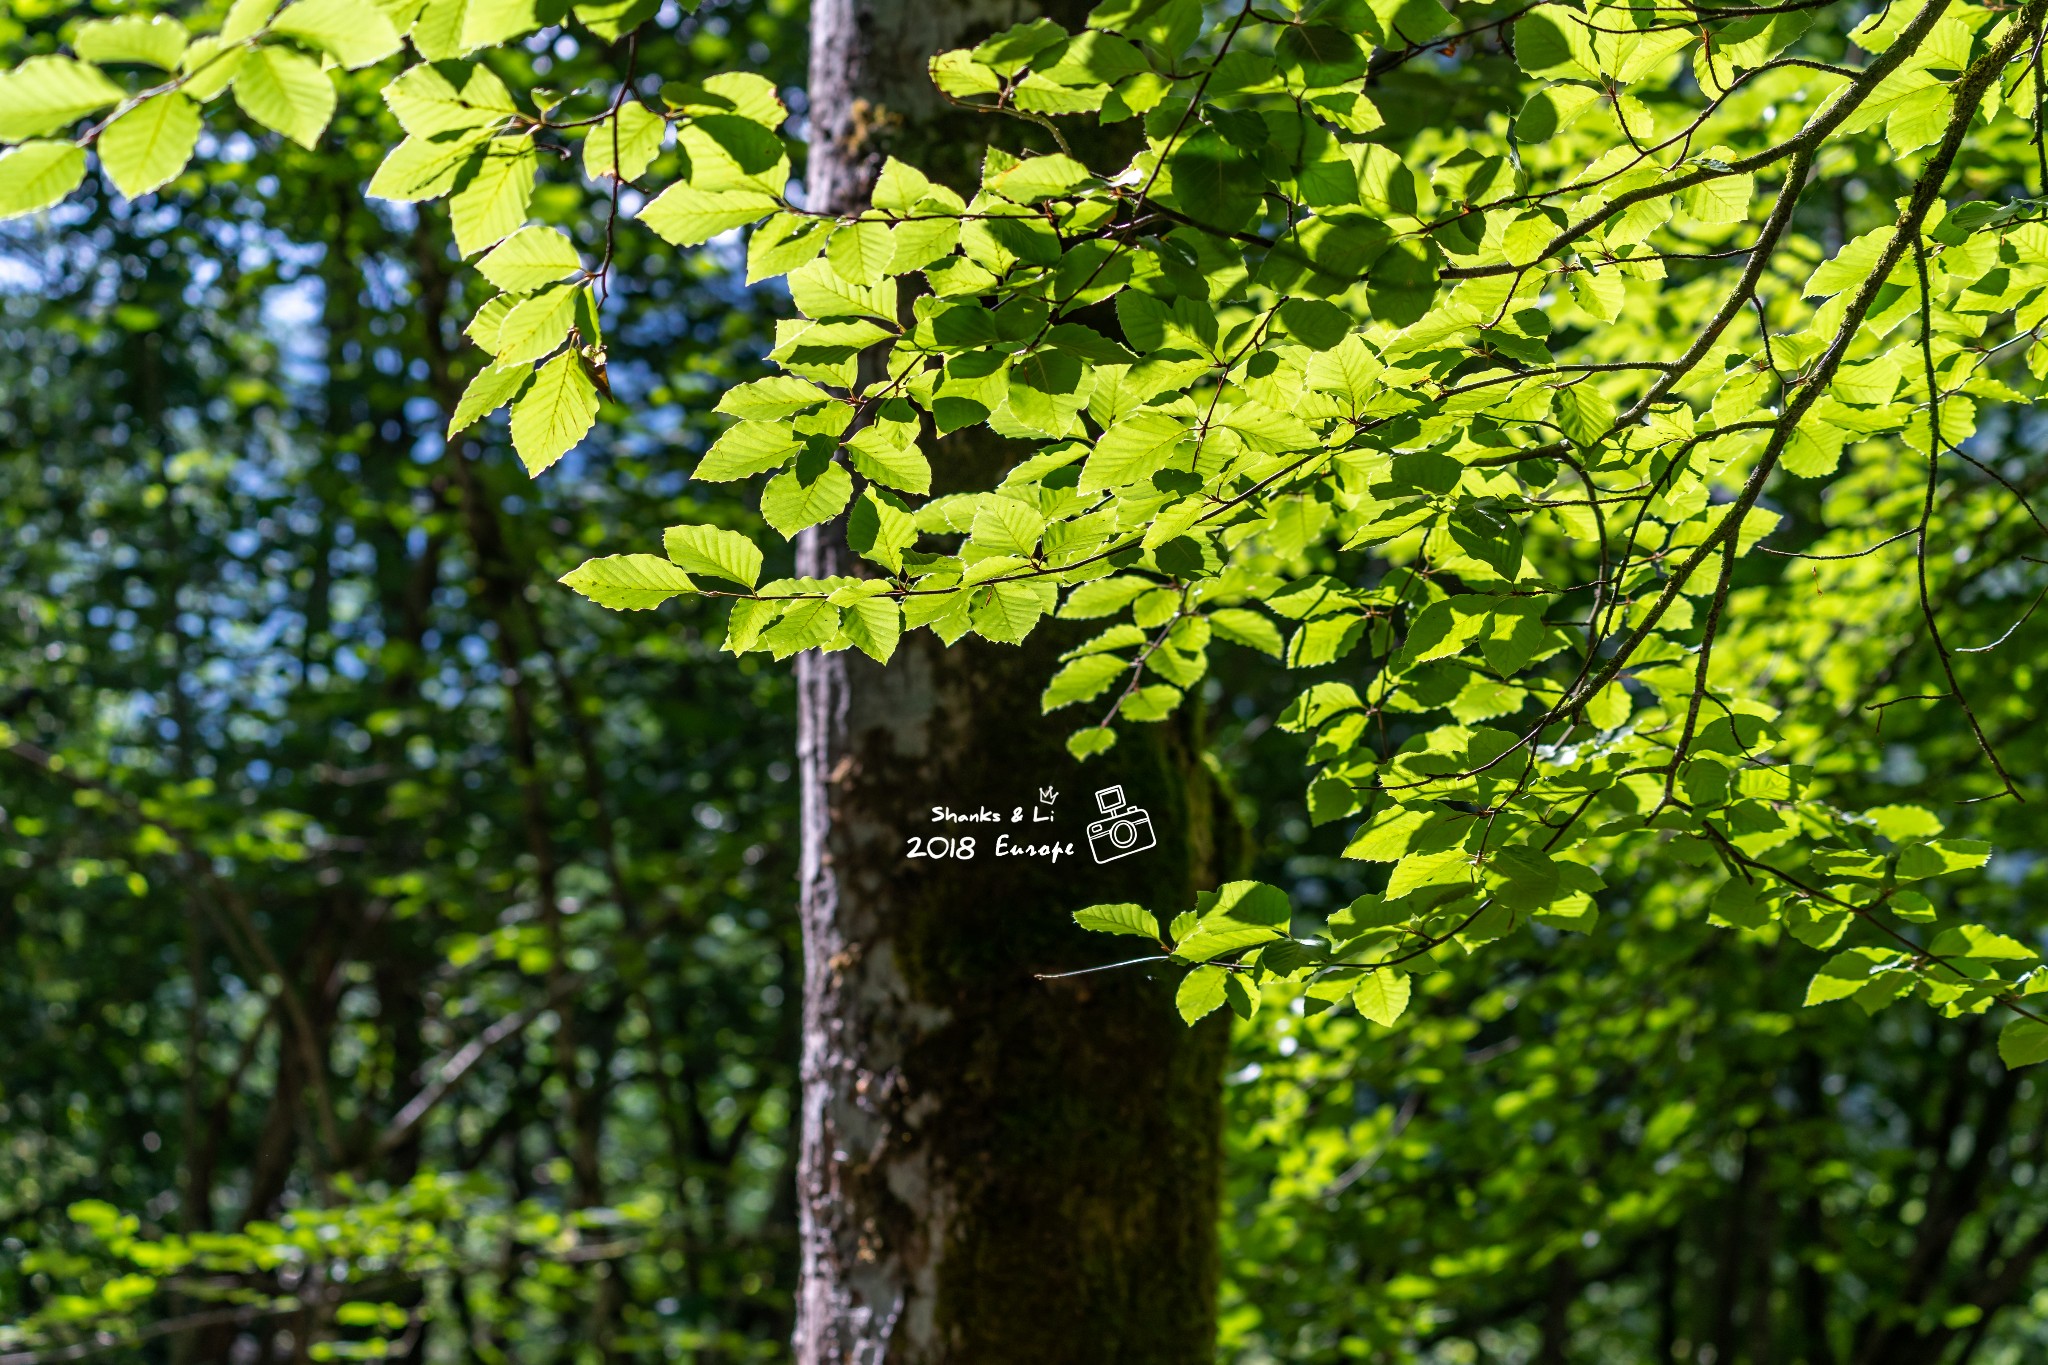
{"x": 1122, "y": 831}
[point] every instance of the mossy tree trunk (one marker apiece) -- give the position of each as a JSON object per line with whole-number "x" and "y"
{"x": 994, "y": 1168}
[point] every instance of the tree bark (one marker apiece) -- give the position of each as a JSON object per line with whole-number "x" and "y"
{"x": 993, "y": 1167}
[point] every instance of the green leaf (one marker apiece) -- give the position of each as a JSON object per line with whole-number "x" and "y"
{"x": 148, "y": 146}
{"x": 1318, "y": 325}
{"x": 1904, "y": 822}
{"x": 1103, "y": 597}
{"x": 1214, "y": 183}
{"x": 804, "y": 625}
{"x": 483, "y": 329}
{"x": 731, "y": 152}
{"x": 1134, "y": 448}
{"x": 1724, "y": 199}
{"x": 1442, "y": 629}
{"x": 1585, "y": 413}
{"x": 439, "y": 31}
{"x": 1410, "y": 21}
{"x": 1349, "y": 371}
{"x": 553, "y": 414}
{"x": 356, "y": 33}
{"x": 1599, "y": 292}
{"x": 1611, "y": 706}
{"x": 684, "y": 216}
{"x": 530, "y": 259}
{"x": 1092, "y": 58}
{"x": 960, "y": 76}
{"x": 747, "y": 449}
{"x": 1401, "y": 283}
{"x": 789, "y": 502}
{"x": 1319, "y": 55}
{"x": 1007, "y": 526}
{"x": 1553, "y": 109}
{"x": 1082, "y": 680}
{"x": 286, "y": 92}
{"x": 428, "y": 103}
{"x": 612, "y": 19}
{"x": 859, "y": 253}
{"x": 819, "y": 290}
{"x": 1957, "y": 854}
{"x": 1849, "y": 266}
{"x": 1008, "y": 612}
{"x": 899, "y": 187}
{"x": 2023, "y": 1042}
{"x": 1941, "y": 857}
{"x": 209, "y": 66}
{"x": 1201, "y": 991}
{"x": 247, "y": 18}
{"x": 153, "y": 40}
{"x": 1215, "y": 937}
{"x": 44, "y": 94}
{"x": 1918, "y": 119}
{"x": 1088, "y": 344}
{"x": 491, "y": 389}
{"x": 880, "y": 528}
{"x": 1382, "y": 996}
{"x": 534, "y": 326}
{"x": 1267, "y": 430}
{"x": 1040, "y": 177}
{"x": 628, "y": 582}
{"x": 1096, "y": 739}
{"x": 1010, "y": 49}
{"x": 778, "y": 395}
{"x": 1120, "y": 636}
{"x": 879, "y": 459}
{"x": 1324, "y": 640}
{"x": 1122, "y": 918}
{"x": 1249, "y": 902}
{"x": 489, "y": 23}
{"x": 1974, "y": 941}
{"x": 629, "y": 143}
{"x": 493, "y": 194}
{"x": 1843, "y": 975}
{"x": 1318, "y": 704}
{"x": 1554, "y": 46}
{"x": 1154, "y": 702}
{"x": 1045, "y": 390}
{"x": 418, "y": 168}
{"x": 918, "y": 243}
{"x": 36, "y": 175}
{"x": 1330, "y": 799}
{"x": 742, "y": 93}
{"x": 873, "y": 624}
{"x": 1247, "y": 628}
{"x": 714, "y": 552}
{"x": 750, "y": 618}
{"x": 1388, "y": 836}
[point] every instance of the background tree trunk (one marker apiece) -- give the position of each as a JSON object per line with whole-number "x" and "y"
{"x": 993, "y": 1168}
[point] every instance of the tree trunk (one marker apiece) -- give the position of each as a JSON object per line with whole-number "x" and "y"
{"x": 993, "y": 1167}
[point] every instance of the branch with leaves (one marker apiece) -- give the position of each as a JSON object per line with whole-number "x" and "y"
{"x": 1486, "y": 420}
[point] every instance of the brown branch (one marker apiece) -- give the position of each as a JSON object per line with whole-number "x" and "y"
{"x": 459, "y": 1063}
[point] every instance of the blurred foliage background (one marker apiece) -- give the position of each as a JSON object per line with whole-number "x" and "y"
{"x": 401, "y": 951}
{"x": 312, "y": 763}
